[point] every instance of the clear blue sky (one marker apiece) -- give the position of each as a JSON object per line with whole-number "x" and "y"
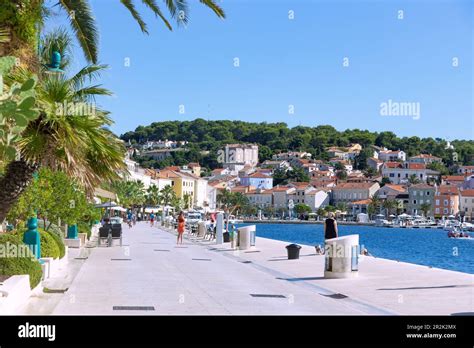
{"x": 294, "y": 62}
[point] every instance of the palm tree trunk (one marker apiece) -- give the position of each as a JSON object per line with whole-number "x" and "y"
{"x": 18, "y": 175}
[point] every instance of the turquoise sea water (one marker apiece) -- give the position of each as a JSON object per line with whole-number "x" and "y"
{"x": 429, "y": 247}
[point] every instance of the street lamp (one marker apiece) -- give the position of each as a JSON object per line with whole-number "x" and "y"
{"x": 54, "y": 66}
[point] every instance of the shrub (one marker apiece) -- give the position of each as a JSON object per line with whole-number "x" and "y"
{"x": 10, "y": 266}
{"x": 59, "y": 242}
{"x": 84, "y": 227}
{"x": 49, "y": 246}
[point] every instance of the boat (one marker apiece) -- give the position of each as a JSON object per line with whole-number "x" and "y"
{"x": 458, "y": 234}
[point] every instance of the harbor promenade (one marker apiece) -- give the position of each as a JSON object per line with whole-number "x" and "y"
{"x": 150, "y": 274}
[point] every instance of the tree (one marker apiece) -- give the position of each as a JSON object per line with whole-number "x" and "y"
{"x": 389, "y": 205}
{"x": 425, "y": 208}
{"x": 413, "y": 179}
{"x": 374, "y": 205}
{"x": 69, "y": 135}
{"x": 341, "y": 174}
{"x": 321, "y": 212}
{"x": 168, "y": 196}
{"x": 439, "y": 167}
{"x": 52, "y": 195}
{"x": 302, "y": 208}
{"x": 385, "y": 181}
{"x": 370, "y": 172}
{"x": 20, "y": 22}
{"x": 153, "y": 195}
{"x": 231, "y": 201}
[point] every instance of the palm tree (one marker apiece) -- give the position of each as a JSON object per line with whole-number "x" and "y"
{"x": 187, "y": 200}
{"x": 388, "y": 205}
{"x": 167, "y": 195}
{"x": 425, "y": 208}
{"x": 374, "y": 205}
{"x": 413, "y": 180}
{"x": 231, "y": 201}
{"x": 153, "y": 195}
{"x": 64, "y": 137}
{"x": 25, "y": 19}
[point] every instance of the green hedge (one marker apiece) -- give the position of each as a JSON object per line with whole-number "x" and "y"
{"x": 59, "y": 242}
{"x": 84, "y": 227}
{"x": 10, "y": 266}
{"x": 49, "y": 246}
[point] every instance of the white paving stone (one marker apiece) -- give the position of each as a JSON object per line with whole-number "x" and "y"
{"x": 174, "y": 283}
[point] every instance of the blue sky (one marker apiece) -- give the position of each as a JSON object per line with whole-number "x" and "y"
{"x": 297, "y": 63}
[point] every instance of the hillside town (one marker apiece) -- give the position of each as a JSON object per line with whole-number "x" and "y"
{"x": 293, "y": 185}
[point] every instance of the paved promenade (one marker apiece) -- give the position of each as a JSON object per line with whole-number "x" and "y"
{"x": 151, "y": 272}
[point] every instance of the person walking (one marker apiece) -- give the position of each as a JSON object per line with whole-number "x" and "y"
{"x": 330, "y": 227}
{"x": 181, "y": 225}
{"x": 129, "y": 218}
{"x": 152, "y": 218}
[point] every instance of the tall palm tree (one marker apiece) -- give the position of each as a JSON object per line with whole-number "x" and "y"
{"x": 374, "y": 205}
{"x": 153, "y": 195}
{"x": 167, "y": 195}
{"x": 26, "y": 17}
{"x": 389, "y": 205}
{"x": 69, "y": 135}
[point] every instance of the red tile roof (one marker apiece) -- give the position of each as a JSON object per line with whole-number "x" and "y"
{"x": 467, "y": 193}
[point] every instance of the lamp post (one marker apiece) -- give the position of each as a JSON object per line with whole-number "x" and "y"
{"x": 32, "y": 236}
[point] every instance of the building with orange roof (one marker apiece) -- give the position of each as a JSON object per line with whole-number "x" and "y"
{"x": 446, "y": 201}
{"x": 350, "y": 192}
{"x": 466, "y": 204}
{"x": 400, "y": 173}
{"x": 425, "y": 159}
{"x": 258, "y": 180}
{"x": 455, "y": 180}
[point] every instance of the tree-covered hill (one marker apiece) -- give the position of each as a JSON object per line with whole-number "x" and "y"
{"x": 278, "y": 137}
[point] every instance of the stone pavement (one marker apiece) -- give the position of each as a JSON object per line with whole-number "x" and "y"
{"x": 154, "y": 275}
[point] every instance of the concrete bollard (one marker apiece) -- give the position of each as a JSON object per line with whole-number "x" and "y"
{"x": 342, "y": 257}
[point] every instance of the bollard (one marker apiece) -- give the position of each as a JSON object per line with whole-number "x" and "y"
{"x": 32, "y": 237}
{"x": 72, "y": 232}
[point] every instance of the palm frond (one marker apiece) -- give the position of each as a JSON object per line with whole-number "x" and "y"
{"x": 214, "y": 7}
{"x": 84, "y": 27}
{"x": 178, "y": 10}
{"x": 156, "y": 10}
{"x": 87, "y": 74}
{"x": 131, "y": 8}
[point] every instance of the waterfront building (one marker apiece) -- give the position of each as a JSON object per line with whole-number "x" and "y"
{"x": 466, "y": 204}
{"x": 351, "y": 192}
{"x": 446, "y": 201}
{"x": 390, "y": 191}
{"x": 260, "y": 198}
{"x": 316, "y": 198}
{"x": 418, "y": 195}
{"x": 280, "y": 196}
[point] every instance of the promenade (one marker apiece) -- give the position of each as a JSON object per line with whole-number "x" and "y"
{"x": 150, "y": 274}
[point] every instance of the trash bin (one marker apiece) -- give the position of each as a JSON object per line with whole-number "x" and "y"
{"x": 342, "y": 257}
{"x": 201, "y": 229}
{"x": 245, "y": 236}
{"x": 293, "y": 251}
{"x": 226, "y": 237}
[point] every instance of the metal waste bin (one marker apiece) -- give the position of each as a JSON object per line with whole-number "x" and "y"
{"x": 244, "y": 235}
{"x": 201, "y": 229}
{"x": 293, "y": 251}
{"x": 342, "y": 257}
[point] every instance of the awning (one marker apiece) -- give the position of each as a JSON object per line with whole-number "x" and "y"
{"x": 118, "y": 208}
{"x": 99, "y": 192}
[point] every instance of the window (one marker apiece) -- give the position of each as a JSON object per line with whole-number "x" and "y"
{"x": 427, "y": 193}
{"x": 445, "y": 210}
{"x": 391, "y": 175}
{"x": 446, "y": 202}
{"x": 414, "y": 201}
{"x": 398, "y": 174}
{"x": 414, "y": 193}
{"x": 437, "y": 210}
{"x": 437, "y": 202}
{"x": 421, "y": 201}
